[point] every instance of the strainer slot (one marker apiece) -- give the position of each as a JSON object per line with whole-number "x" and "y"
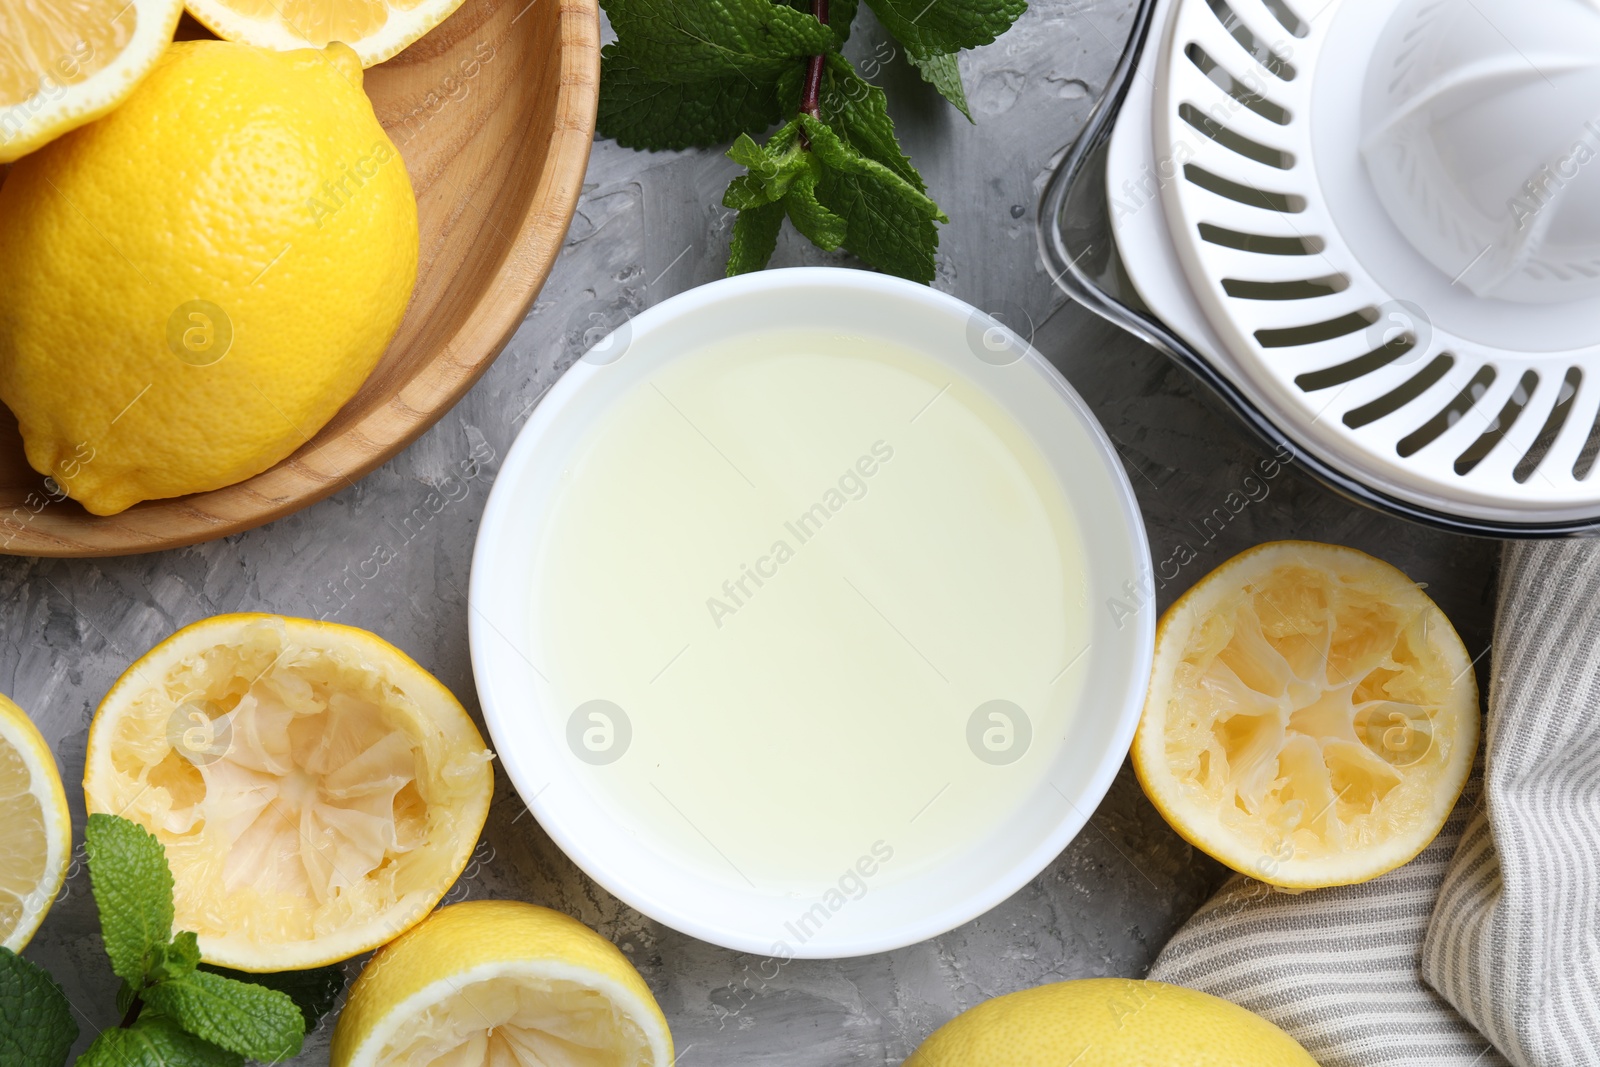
{"x": 1552, "y": 426}
{"x": 1583, "y": 466}
{"x": 1234, "y": 140}
{"x": 1562, "y": 271}
{"x": 1260, "y": 243}
{"x": 1449, "y": 415}
{"x": 1501, "y": 424}
{"x": 1248, "y": 195}
{"x": 1286, "y": 17}
{"x": 1235, "y": 26}
{"x": 1303, "y": 289}
{"x": 1402, "y": 394}
{"x": 1219, "y": 76}
{"x": 1360, "y": 367}
{"x": 1316, "y": 332}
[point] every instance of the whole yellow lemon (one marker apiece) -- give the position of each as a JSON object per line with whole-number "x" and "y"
{"x": 1109, "y": 1022}
{"x": 195, "y": 283}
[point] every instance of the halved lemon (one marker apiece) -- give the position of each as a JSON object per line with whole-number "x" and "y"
{"x": 500, "y": 983}
{"x": 66, "y": 62}
{"x": 1312, "y": 716}
{"x": 376, "y": 29}
{"x": 35, "y": 829}
{"x": 317, "y": 792}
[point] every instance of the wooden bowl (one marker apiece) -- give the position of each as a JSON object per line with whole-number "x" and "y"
{"x": 494, "y": 115}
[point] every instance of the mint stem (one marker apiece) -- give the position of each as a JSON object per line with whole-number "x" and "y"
{"x": 133, "y": 1013}
{"x": 811, "y": 99}
{"x": 811, "y": 102}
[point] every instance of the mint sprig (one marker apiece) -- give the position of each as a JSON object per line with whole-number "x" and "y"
{"x": 39, "y": 1028}
{"x": 694, "y": 73}
{"x": 241, "y": 1017}
{"x": 133, "y": 887}
{"x": 947, "y": 25}
{"x": 175, "y": 1012}
{"x": 155, "y": 1041}
{"x": 314, "y": 992}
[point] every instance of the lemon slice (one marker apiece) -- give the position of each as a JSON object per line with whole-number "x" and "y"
{"x": 376, "y": 29}
{"x": 1312, "y": 716}
{"x": 317, "y": 792}
{"x": 66, "y": 62}
{"x": 502, "y": 983}
{"x": 35, "y": 829}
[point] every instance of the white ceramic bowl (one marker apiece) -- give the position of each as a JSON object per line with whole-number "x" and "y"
{"x": 531, "y": 735}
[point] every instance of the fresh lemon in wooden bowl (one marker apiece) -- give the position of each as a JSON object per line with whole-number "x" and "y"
{"x": 316, "y": 791}
{"x": 1312, "y": 716}
{"x": 195, "y": 283}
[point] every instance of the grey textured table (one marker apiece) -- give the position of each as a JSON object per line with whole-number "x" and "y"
{"x": 650, "y": 226}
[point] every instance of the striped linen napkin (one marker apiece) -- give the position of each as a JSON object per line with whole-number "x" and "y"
{"x": 1484, "y": 950}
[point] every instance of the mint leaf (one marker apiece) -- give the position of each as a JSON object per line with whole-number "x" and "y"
{"x": 773, "y": 167}
{"x": 176, "y": 959}
{"x": 687, "y": 73}
{"x": 810, "y": 216}
{"x": 890, "y": 223}
{"x": 638, "y": 110}
{"x": 755, "y": 236}
{"x": 928, "y": 26}
{"x": 835, "y": 194}
{"x": 133, "y": 887}
{"x": 38, "y": 1030}
{"x": 242, "y": 1017}
{"x": 841, "y": 13}
{"x": 759, "y": 195}
{"x": 746, "y": 192}
{"x": 674, "y": 41}
{"x": 940, "y": 70}
{"x": 155, "y": 1041}
{"x": 313, "y": 992}
{"x": 858, "y": 112}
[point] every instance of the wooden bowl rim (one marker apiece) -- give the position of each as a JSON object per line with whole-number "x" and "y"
{"x": 419, "y": 401}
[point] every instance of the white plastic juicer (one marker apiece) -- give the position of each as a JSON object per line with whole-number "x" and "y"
{"x": 1374, "y": 227}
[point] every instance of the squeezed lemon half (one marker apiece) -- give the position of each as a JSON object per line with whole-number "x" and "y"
{"x": 35, "y": 829}
{"x": 1312, "y": 716}
{"x": 317, "y": 792}
{"x": 502, "y": 984}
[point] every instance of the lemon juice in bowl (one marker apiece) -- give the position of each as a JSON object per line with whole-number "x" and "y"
{"x": 781, "y": 583}
{"x": 790, "y": 613}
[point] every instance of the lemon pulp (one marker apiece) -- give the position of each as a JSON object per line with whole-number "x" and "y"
{"x": 376, "y": 29}
{"x": 1312, "y": 715}
{"x": 35, "y": 829}
{"x": 65, "y": 62}
{"x": 66, "y": 43}
{"x": 316, "y": 792}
